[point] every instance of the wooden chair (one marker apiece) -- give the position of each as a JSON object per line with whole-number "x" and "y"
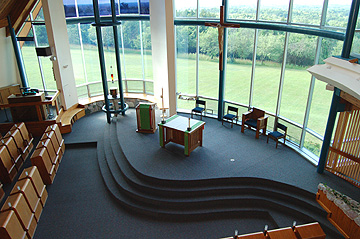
{"x": 255, "y": 118}
{"x": 230, "y": 117}
{"x": 198, "y": 109}
{"x": 276, "y": 135}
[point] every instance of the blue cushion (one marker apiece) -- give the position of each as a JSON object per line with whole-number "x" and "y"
{"x": 198, "y": 109}
{"x": 251, "y": 122}
{"x": 230, "y": 116}
{"x": 276, "y": 134}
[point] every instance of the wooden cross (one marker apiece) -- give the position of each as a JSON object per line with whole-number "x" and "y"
{"x": 220, "y": 26}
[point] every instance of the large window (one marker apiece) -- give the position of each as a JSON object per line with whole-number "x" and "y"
{"x": 264, "y": 68}
{"x": 269, "y": 55}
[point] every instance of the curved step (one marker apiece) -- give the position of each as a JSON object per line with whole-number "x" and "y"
{"x": 199, "y": 198}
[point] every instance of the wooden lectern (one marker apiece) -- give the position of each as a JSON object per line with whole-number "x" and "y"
{"x": 145, "y": 116}
{"x": 26, "y": 111}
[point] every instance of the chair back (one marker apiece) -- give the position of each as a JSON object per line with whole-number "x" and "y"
{"x": 201, "y": 102}
{"x": 282, "y": 127}
{"x": 257, "y": 113}
{"x": 233, "y": 109}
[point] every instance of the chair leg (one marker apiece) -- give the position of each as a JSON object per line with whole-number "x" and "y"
{"x": 277, "y": 141}
{"x": 231, "y": 124}
{"x": 257, "y": 134}
{"x": 242, "y": 127}
{"x": 222, "y": 122}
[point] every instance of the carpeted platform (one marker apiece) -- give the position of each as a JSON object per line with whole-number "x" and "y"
{"x": 79, "y": 205}
{"x": 251, "y": 157}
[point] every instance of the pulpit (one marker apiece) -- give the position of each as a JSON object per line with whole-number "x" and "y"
{"x": 145, "y": 116}
{"x": 28, "y": 107}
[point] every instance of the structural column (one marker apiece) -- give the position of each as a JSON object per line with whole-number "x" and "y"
{"x": 56, "y": 29}
{"x": 163, "y": 51}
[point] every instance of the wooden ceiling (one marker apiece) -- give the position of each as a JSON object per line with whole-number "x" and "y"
{"x": 18, "y": 10}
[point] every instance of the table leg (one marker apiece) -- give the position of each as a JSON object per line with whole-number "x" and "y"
{"x": 161, "y": 136}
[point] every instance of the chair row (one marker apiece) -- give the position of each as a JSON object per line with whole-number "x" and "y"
{"x": 308, "y": 231}
{"x": 48, "y": 153}
{"x": 22, "y": 209}
{"x": 15, "y": 147}
{"x": 255, "y": 119}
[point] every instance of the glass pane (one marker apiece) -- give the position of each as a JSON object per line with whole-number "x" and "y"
{"x": 149, "y": 87}
{"x": 355, "y": 48}
{"x": 276, "y": 11}
{"x": 105, "y": 7}
{"x": 76, "y": 54}
{"x": 85, "y": 8}
{"x": 146, "y": 41}
{"x": 300, "y": 55}
{"x": 209, "y": 63}
{"x": 109, "y": 53}
{"x": 47, "y": 67}
{"x": 338, "y": 13}
{"x": 242, "y": 9}
{"x": 238, "y": 71}
{"x": 82, "y": 92}
{"x": 133, "y": 62}
{"x": 320, "y": 106}
{"x": 129, "y": 6}
{"x": 209, "y": 8}
{"x": 308, "y": 12}
{"x": 185, "y": 8}
{"x": 96, "y": 89}
{"x": 144, "y": 7}
{"x": 186, "y": 59}
{"x": 313, "y": 144}
{"x": 135, "y": 86}
{"x": 91, "y": 54}
{"x": 186, "y": 64}
{"x": 31, "y": 65}
{"x": 269, "y": 56}
{"x": 69, "y": 7}
{"x": 330, "y": 47}
{"x": 41, "y": 35}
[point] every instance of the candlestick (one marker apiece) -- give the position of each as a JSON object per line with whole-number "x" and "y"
{"x": 189, "y": 128}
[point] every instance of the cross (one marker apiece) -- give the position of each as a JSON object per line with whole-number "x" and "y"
{"x": 220, "y": 26}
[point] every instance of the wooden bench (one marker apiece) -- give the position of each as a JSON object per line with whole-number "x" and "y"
{"x": 337, "y": 217}
{"x": 15, "y": 147}
{"x": 48, "y": 153}
{"x": 306, "y": 231}
{"x": 22, "y": 209}
{"x": 17, "y": 203}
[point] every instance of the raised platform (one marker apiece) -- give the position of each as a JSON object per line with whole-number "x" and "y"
{"x": 232, "y": 176}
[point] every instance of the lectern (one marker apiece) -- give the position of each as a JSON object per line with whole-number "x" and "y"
{"x": 145, "y": 116}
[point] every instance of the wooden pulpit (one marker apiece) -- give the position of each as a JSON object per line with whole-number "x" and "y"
{"x": 145, "y": 116}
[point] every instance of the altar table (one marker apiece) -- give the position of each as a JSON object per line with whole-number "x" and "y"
{"x": 175, "y": 130}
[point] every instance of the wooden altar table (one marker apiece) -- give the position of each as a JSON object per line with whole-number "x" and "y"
{"x": 175, "y": 130}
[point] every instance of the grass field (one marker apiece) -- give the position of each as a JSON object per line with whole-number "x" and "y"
{"x": 265, "y": 88}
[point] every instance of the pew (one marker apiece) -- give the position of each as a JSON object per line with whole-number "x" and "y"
{"x": 306, "y": 231}
{"x": 48, "y": 153}
{"x": 32, "y": 173}
{"x": 22, "y": 209}
{"x": 10, "y": 227}
{"x": 17, "y": 203}
{"x": 15, "y": 147}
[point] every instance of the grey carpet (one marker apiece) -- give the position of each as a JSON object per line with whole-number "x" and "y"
{"x": 80, "y": 207}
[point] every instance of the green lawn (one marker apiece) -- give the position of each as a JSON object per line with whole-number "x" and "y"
{"x": 265, "y": 92}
